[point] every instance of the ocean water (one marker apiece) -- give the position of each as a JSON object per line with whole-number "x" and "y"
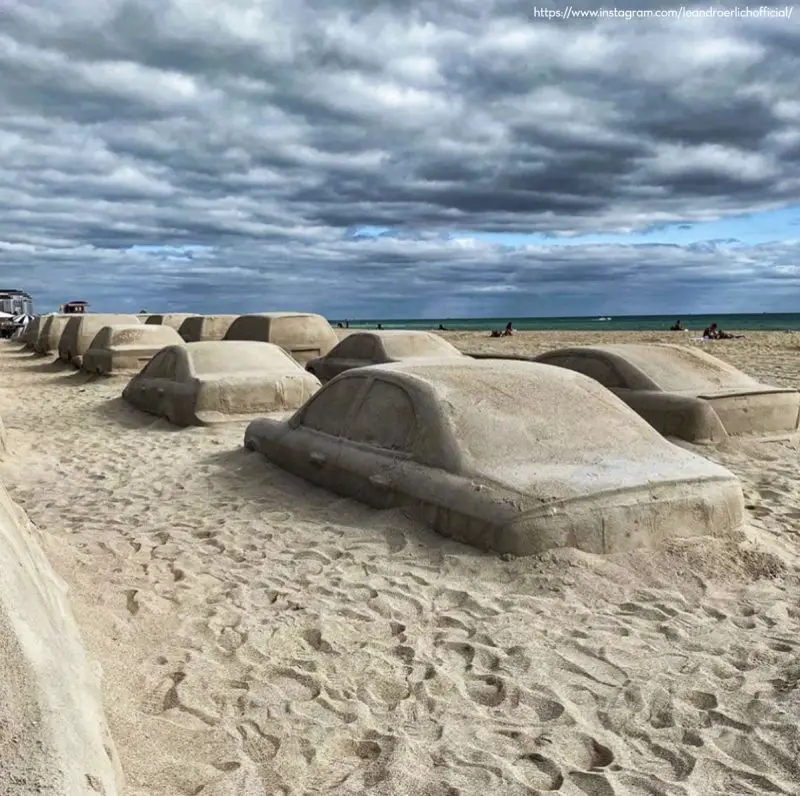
{"x": 765, "y": 322}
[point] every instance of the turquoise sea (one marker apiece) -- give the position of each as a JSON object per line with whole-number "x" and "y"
{"x": 764, "y": 322}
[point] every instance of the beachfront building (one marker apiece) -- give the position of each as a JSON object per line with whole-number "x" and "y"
{"x": 73, "y": 307}
{"x": 16, "y": 310}
{"x": 16, "y": 302}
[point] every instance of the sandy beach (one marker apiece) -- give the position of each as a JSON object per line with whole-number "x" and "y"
{"x": 258, "y": 635}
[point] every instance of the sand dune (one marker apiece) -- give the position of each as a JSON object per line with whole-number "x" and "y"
{"x": 261, "y": 636}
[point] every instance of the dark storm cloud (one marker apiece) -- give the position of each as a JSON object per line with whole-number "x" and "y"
{"x": 267, "y": 131}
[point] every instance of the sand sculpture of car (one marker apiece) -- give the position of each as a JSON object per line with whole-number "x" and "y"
{"x": 81, "y": 330}
{"x": 124, "y": 349}
{"x": 50, "y": 333}
{"x": 217, "y": 381}
{"x": 360, "y": 349}
{"x": 32, "y": 330}
{"x": 513, "y": 457}
{"x": 684, "y": 392}
{"x": 197, "y": 328}
{"x": 173, "y": 319}
{"x": 301, "y": 334}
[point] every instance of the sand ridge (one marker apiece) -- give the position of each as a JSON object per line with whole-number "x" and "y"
{"x": 259, "y": 635}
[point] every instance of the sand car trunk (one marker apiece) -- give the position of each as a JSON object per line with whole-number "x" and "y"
{"x": 622, "y": 520}
{"x": 117, "y": 361}
{"x": 252, "y": 394}
{"x": 761, "y": 412}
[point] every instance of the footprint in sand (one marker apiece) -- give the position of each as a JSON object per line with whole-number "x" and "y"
{"x": 313, "y": 637}
{"x": 546, "y": 707}
{"x": 486, "y": 690}
{"x": 466, "y": 655}
{"x": 592, "y": 784}
{"x": 132, "y": 604}
{"x": 294, "y": 686}
{"x": 539, "y": 773}
{"x": 258, "y": 745}
{"x": 702, "y": 700}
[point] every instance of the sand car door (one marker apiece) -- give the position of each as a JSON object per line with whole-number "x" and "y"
{"x": 312, "y": 447}
{"x": 379, "y": 441}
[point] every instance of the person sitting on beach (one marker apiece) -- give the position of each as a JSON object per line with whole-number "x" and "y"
{"x": 713, "y": 332}
{"x": 676, "y": 327}
{"x": 496, "y": 333}
{"x": 442, "y": 328}
{"x": 509, "y": 330}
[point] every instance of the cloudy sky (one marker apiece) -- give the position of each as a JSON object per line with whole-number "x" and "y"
{"x": 434, "y": 158}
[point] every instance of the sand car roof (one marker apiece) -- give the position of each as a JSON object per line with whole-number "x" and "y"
{"x": 135, "y": 334}
{"x": 671, "y": 368}
{"x": 229, "y": 357}
{"x": 198, "y": 328}
{"x": 401, "y": 343}
{"x": 280, "y": 315}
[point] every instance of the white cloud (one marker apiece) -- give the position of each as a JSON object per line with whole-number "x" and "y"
{"x": 266, "y": 130}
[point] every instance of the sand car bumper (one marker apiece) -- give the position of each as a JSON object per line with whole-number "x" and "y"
{"x": 757, "y": 413}
{"x": 260, "y": 433}
{"x": 627, "y": 520}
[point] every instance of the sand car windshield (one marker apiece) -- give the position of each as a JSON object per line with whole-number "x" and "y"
{"x": 356, "y": 346}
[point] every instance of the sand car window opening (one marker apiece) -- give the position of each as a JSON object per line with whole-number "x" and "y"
{"x": 365, "y": 349}
{"x": 359, "y": 346}
{"x": 157, "y": 367}
{"x": 598, "y": 369}
{"x": 386, "y": 419}
{"x": 167, "y": 367}
{"x": 345, "y": 350}
{"x": 330, "y": 407}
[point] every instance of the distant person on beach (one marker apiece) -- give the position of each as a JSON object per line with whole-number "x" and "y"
{"x": 441, "y": 328}
{"x": 677, "y": 326}
{"x": 507, "y": 332}
{"x": 339, "y": 325}
{"x": 713, "y": 332}
{"x": 380, "y": 326}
